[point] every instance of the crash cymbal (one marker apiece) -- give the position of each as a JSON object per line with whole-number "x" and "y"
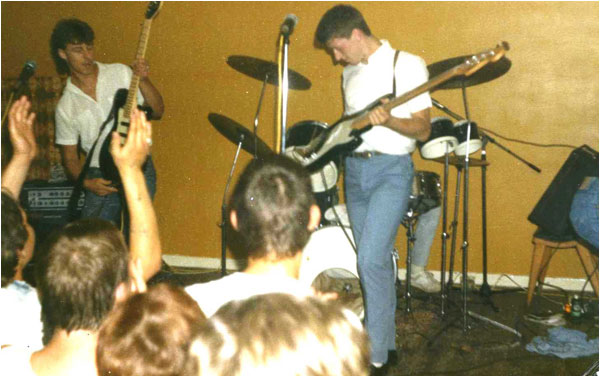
{"x": 260, "y": 69}
{"x": 460, "y": 161}
{"x": 487, "y": 73}
{"x": 236, "y": 133}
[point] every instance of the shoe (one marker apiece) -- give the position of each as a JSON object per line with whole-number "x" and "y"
{"x": 425, "y": 281}
{"x": 379, "y": 371}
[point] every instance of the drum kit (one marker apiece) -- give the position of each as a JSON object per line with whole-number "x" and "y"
{"x": 326, "y": 247}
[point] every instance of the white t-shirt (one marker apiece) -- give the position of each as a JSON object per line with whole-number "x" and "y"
{"x": 239, "y": 286}
{"x": 365, "y": 83}
{"x": 20, "y": 316}
{"x": 78, "y": 116}
{"x": 16, "y": 361}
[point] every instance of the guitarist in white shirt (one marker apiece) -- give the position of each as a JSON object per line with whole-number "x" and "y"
{"x": 379, "y": 174}
{"x": 86, "y": 104}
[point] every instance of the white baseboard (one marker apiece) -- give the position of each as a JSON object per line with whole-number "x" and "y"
{"x": 494, "y": 280}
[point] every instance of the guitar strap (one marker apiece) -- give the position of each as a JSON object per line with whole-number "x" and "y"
{"x": 78, "y": 188}
{"x": 394, "y": 72}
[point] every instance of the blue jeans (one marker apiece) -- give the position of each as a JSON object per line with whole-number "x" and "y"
{"x": 377, "y": 194}
{"x": 425, "y": 234}
{"x": 584, "y": 211}
{"x": 109, "y": 207}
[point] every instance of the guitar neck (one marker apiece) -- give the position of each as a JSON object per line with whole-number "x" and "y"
{"x": 363, "y": 121}
{"x": 135, "y": 79}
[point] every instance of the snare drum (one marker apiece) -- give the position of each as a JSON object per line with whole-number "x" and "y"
{"x": 474, "y": 142}
{"x": 441, "y": 139}
{"x": 426, "y": 192}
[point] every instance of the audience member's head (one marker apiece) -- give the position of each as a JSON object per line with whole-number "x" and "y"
{"x": 339, "y": 22}
{"x": 66, "y": 31}
{"x": 272, "y": 207}
{"x": 79, "y": 273}
{"x": 280, "y": 335}
{"x": 17, "y": 238}
{"x": 150, "y": 334}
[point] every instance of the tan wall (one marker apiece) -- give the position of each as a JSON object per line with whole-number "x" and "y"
{"x": 549, "y": 96}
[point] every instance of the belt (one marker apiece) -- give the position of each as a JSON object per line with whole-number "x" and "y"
{"x": 366, "y": 154}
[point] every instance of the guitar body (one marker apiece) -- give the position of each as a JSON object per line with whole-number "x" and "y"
{"x": 121, "y": 125}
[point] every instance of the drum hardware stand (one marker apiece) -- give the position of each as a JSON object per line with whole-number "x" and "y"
{"x": 223, "y": 224}
{"x": 409, "y": 223}
{"x": 444, "y": 233}
{"x": 465, "y": 244}
{"x": 260, "y": 99}
{"x": 284, "y": 85}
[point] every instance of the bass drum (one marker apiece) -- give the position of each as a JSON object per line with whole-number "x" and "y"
{"x": 441, "y": 140}
{"x": 473, "y": 142}
{"x": 329, "y": 264}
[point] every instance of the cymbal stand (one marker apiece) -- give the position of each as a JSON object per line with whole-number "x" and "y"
{"x": 260, "y": 99}
{"x": 444, "y": 233}
{"x": 223, "y": 224}
{"x": 465, "y": 245}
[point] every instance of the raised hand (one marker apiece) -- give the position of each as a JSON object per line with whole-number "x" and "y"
{"x": 20, "y": 127}
{"x": 137, "y": 146}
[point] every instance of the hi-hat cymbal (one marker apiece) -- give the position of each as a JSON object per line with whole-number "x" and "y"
{"x": 236, "y": 133}
{"x": 460, "y": 161}
{"x": 261, "y": 69}
{"x": 487, "y": 73}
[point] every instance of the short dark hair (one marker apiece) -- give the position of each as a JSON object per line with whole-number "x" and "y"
{"x": 338, "y": 22}
{"x": 279, "y": 334}
{"x": 272, "y": 200}
{"x": 67, "y": 31}
{"x": 150, "y": 334}
{"x": 14, "y": 236}
{"x": 79, "y": 272}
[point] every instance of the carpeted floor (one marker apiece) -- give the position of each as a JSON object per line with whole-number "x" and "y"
{"x": 490, "y": 340}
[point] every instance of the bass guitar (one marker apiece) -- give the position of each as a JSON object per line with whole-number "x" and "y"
{"x": 344, "y": 136}
{"x": 125, "y": 100}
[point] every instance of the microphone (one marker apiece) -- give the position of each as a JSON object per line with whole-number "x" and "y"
{"x": 26, "y": 73}
{"x": 287, "y": 27}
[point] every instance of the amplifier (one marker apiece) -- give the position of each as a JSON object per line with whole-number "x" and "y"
{"x": 48, "y": 202}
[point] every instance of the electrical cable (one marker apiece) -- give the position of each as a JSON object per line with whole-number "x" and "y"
{"x": 528, "y": 142}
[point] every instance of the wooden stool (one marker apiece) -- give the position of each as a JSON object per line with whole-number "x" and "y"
{"x": 544, "y": 249}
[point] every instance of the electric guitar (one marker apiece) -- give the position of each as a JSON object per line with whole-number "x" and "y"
{"x": 125, "y": 100}
{"x": 344, "y": 135}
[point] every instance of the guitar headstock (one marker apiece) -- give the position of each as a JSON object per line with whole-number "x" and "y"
{"x": 153, "y": 8}
{"x": 477, "y": 61}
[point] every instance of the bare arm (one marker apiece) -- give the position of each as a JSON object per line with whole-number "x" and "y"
{"x": 71, "y": 162}
{"x": 418, "y": 127}
{"x": 152, "y": 96}
{"x": 144, "y": 239}
{"x": 20, "y": 127}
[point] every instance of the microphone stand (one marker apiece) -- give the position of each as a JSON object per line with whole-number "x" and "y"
{"x": 223, "y": 224}
{"x": 285, "y": 89}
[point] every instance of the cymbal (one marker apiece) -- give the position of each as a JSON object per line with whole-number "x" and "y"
{"x": 487, "y": 73}
{"x": 460, "y": 161}
{"x": 261, "y": 69}
{"x": 236, "y": 133}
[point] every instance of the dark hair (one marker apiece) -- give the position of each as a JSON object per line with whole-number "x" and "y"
{"x": 272, "y": 200}
{"x": 338, "y": 22}
{"x": 150, "y": 334}
{"x": 79, "y": 271}
{"x": 279, "y": 334}
{"x": 14, "y": 236}
{"x": 67, "y": 31}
